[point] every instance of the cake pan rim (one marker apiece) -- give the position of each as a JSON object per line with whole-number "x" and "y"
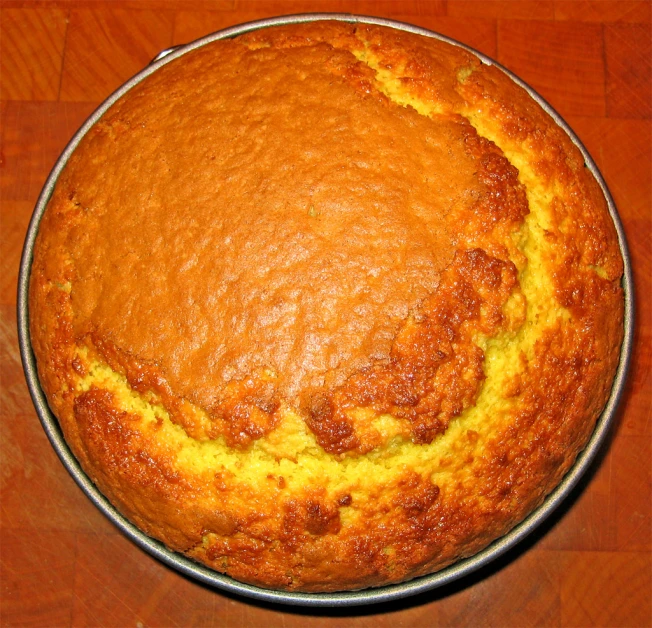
{"x": 386, "y": 593}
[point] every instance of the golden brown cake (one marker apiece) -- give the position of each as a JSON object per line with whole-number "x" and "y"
{"x": 326, "y": 306}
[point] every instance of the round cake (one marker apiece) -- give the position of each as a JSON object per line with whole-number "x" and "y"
{"x": 326, "y": 306}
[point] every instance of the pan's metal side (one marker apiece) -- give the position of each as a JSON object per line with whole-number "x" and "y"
{"x": 225, "y": 583}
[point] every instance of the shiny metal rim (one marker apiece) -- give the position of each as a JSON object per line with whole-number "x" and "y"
{"x": 342, "y": 599}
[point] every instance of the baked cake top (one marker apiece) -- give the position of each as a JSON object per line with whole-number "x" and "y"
{"x": 343, "y": 257}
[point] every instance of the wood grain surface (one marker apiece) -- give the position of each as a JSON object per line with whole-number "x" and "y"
{"x": 64, "y": 564}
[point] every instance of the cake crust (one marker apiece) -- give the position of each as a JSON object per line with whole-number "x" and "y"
{"x": 326, "y": 306}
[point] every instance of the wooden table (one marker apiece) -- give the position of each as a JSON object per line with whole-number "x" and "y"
{"x": 64, "y": 564}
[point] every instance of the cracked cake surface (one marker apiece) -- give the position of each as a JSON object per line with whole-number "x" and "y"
{"x": 326, "y": 306}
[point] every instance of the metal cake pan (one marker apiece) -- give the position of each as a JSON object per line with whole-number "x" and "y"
{"x": 341, "y": 599}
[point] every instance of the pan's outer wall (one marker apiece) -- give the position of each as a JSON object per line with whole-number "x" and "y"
{"x": 209, "y": 577}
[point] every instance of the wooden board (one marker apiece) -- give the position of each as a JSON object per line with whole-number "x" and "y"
{"x": 63, "y": 564}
